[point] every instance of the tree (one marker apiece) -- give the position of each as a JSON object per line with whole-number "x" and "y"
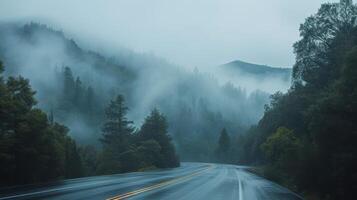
{"x": 149, "y": 152}
{"x": 316, "y": 152}
{"x": 89, "y": 101}
{"x": 51, "y": 117}
{"x": 89, "y": 157}
{"x": 224, "y": 141}
{"x": 1, "y": 67}
{"x": 281, "y": 145}
{"x": 78, "y": 94}
{"x": 318, "y": 33}
{"x": 224, "y": 147}
{"x": 68, "y": 90}
{"x": 334, "y": 131}
{"x": 69, "y": 83}
{"x": 117, "y": 129}
{"x": 117, "y": 136}
{"x": 155, "y": 128}
{"x": 282, "y": 150}
{"x": 73, "y": 161}
{"x": 32, "y": 149}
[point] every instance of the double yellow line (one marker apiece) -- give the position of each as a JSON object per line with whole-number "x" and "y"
{"x": 160, "y": 185}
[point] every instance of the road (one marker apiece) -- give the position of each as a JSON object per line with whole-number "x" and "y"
{"x": 190, "y": 181}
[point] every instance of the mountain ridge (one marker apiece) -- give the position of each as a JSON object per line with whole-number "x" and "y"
{"x": 255, "y": 69}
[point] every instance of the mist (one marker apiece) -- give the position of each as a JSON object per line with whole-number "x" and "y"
{"x": 196, "y": 103}
{"x": 179, "y": 99}
{"x": 173, "y": 64}
{"x": 189, "y": 33}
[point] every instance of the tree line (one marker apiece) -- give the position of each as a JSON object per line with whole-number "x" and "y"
{"x": 78, "y": 92}
{"x": 126, "y": 149}
{"x": 307, "y": 137}
{"x": 34, "y": 148}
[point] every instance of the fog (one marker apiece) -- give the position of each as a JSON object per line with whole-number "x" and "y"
{"x": 158, "y": 55}
{"x": 189, "y": 33}
{"x": 76, "y": 85}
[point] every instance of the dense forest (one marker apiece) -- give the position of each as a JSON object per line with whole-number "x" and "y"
{"x": 251, "y": 76}
{"x": 85, "y": 121}
{"x": 34, "y": 148}
{"x": 307, "y": 136}
{"x": 95, "y": 114}
{"x": 75, "y": 85}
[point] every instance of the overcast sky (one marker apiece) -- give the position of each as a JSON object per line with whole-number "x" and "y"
{"x": 192, "y": 33}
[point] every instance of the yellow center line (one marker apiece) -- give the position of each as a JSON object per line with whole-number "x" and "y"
{"x": 159, "y": 185}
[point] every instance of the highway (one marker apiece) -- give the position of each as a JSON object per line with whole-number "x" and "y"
{"x": 191, "y": 181}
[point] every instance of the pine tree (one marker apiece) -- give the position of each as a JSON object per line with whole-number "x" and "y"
{"x": 89, "y": 101}
{"x": 224, "y": 141}
{"x": 32, "y": 148}
{"x": 117, "y": 127}
{"x": 155, "y": 128}
{"x": 224, "y": 145}
{"x": 1, "y": 67}
{"x": 117, "y": 136}
{"x": 51, "y": 117}
{"x": 78, "y": 93}
{"x": 68, "y": 93}
{"x": 346, "y": 2}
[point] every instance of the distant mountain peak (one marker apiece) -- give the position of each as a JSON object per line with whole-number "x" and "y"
{"x": 243, "y": 67}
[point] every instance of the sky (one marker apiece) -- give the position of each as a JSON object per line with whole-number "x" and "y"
{"x": 190, "y": 33}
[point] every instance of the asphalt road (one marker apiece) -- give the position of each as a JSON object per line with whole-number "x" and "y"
{"x": 190, "y": 181}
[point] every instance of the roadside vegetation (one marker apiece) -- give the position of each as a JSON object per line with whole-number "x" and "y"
{"x": 307, "y": 137}
{"x": 34, "y": 148}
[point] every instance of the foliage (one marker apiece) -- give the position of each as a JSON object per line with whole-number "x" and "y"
{"x": 155, "y": 128}
{"x": 223, "y": 151}
{"x": 89, "y": 158}
{"x": 282, "y": 150}
{"x": 32, "y": 149}
{"x": 117, "y": 137}
{"x": 76, "y": 85}
{"x": 307, "y": 137}
{"x": 281, "y": 145}
{"x": 125, "y": 150}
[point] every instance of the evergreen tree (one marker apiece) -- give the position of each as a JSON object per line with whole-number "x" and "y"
{"x": 313, "y": 58}
{"x": 89, "y": 157}
{"x": 32, "y": 149}
{"x": 51, "y": 117}
{"x": 69, "y": 91}
{"x": 89, "y": 101}
{"x": 117, "y": 128}
{"x": 224, "y": 145}
{"x": 149, "y": 152}
{"x": 117, "y": 137}
{"x": 73, "y": 161}
{"x": 155, "y": 128}
{"x": 78, "y": 94}
{"x": 316, "y": 152}
{"x": 224, "y": 141}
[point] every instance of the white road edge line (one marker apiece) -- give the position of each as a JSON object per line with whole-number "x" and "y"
{"x": 50, "y": 190}
{"x": 240, "y": 189}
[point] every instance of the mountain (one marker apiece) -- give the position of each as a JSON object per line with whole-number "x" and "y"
{"x": 254, "y": 77}
{"x": 75, "y": 85}
{"x": 246, "y": 68}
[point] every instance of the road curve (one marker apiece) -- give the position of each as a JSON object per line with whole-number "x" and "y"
{"x": 190, "y": 181}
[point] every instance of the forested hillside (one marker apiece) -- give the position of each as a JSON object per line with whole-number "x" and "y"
{"x": 262, "y": 71}
{"x": 307, "y": 136}
{"x": 35, "y": 149}
{"x": 253, "y": 76}
{"x": 75, "y": 85}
